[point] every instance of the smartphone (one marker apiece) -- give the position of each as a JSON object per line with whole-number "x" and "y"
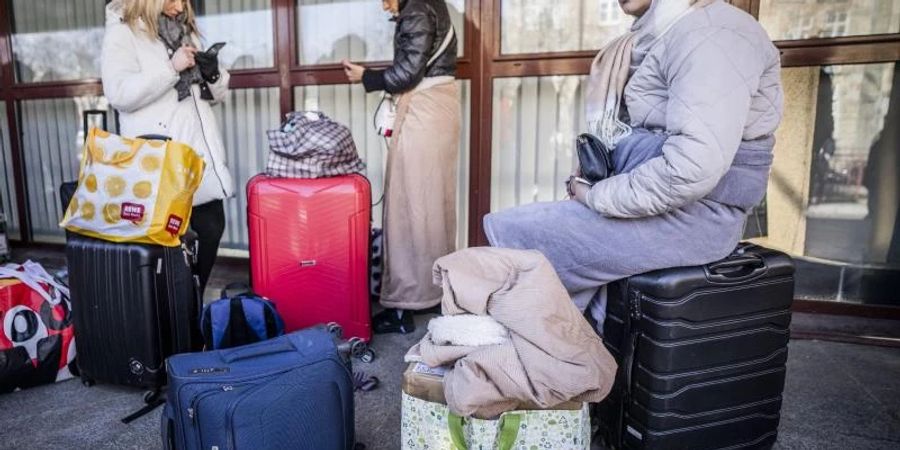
{"x": 214, "y": 50}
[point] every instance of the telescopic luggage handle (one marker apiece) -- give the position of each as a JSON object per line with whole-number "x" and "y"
{"x": 86, "y": 115}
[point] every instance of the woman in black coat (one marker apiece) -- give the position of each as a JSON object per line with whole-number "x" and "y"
{"x": 420, "y": 183}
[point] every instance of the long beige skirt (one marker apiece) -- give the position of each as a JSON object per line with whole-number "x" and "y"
{"x": 420, "y": 195}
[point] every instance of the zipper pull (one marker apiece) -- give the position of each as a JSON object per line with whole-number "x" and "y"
{"x": 227, "y": 388}
{"x": 190, "y": 413}
{"x": 634, "y": 305}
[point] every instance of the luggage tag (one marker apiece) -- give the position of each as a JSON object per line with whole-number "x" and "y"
{"x": 428, "y": 370}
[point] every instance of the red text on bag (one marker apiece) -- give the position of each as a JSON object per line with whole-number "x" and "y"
{"x": 132, "y": 212}
{"x": 173, "y": 225}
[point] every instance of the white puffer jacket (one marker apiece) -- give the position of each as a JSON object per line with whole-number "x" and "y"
{"x": 139, "y": 82}
{"x": 711, "y": 81}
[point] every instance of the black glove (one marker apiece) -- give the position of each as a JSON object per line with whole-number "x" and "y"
{"x": 209, "y": 66}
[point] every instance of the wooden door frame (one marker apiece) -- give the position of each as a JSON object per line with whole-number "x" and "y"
{"x": 482, "y": 63}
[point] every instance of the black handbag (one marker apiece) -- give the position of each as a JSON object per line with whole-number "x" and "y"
{"x": 594, "y": 158}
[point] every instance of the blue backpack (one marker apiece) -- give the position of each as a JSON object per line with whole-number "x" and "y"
{"x": 240, "y": 320}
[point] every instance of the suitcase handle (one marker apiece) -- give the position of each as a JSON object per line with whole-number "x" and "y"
{"x": 271, "y": 348}
{"x": 509, "y": 431}
{"x": 736, "y": 269}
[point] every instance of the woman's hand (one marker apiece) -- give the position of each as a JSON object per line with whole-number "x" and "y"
{"x": 183, "y": 59}
{"x": 580, "y": 191}
{"x": 354, "y": 71}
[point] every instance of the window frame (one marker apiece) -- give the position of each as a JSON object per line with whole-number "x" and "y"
{"x": 482, "y": 62}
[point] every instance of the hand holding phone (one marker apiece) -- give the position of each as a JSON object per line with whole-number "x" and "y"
{"x": 209, "y": 62}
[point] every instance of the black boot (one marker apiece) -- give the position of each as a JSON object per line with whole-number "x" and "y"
{"x": 393, "y": 321}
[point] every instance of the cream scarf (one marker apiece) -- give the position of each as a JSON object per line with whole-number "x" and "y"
{"x": 619, "y": 59}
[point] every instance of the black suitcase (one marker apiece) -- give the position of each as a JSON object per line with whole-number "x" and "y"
{"x": 66, "y": 192}
{"x": 701, "y": 352}
{"x": 133, "y": 306}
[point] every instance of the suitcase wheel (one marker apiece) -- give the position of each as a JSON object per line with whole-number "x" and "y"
{"x": 359, "y": 349}
{"x": 336, "y": 330}
{"x": 368, "y": 356}
{"x": 87, "y": 382}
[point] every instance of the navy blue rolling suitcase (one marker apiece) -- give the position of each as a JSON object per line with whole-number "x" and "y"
{"x": 291, "y": 392}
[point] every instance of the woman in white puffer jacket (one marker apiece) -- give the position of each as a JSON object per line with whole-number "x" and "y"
{"x": 154, "y": 77}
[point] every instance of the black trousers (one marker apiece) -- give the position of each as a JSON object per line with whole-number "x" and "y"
{"x": 208, "y": 221}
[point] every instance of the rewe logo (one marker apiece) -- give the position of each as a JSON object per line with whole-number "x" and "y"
{"x": 132, "y": 212}
{"x": 173, "y": 225}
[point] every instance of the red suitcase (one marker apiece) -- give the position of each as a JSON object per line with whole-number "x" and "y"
{"x": 309, "y": 249}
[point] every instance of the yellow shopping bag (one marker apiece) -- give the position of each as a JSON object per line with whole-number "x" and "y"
{"x": 134, "y": 190}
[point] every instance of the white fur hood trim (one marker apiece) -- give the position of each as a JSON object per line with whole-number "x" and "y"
{"x": 467, "y": 330}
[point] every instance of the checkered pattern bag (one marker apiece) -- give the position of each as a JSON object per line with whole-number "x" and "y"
{"x": 311, "y": 145}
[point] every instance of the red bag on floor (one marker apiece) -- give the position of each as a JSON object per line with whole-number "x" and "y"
{"x": 37, "y": 344}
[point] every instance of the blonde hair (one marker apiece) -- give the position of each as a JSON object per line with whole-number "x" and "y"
{"x": 148, "y": 11}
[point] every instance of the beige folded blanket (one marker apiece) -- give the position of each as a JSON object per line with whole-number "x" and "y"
{"x": 552, "y": 355}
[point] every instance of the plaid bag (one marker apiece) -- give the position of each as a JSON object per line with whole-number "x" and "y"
{"x": 311, "y": 145}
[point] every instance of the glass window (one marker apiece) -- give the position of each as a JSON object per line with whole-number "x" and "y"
{"x": 350, "y": 105}
{"x": 247, "y": 28}
{"x": 244, "y": 119}
{"x": 834, "y": 192}
{"x": 853, "y": 193}
{"x": 805, "y": 19}
{"x": 539, "y": 26}
{"x": 331, "y": 30}
{"x": 535, "y": 123}
{"x": 56, "y": 41}
{"x": 8, "y": 185}
{"x": 52, "y": 138}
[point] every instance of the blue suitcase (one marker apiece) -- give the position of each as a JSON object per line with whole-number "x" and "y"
{"x": 291, "y": 392}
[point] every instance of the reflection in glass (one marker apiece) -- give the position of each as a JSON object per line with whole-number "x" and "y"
{"x": 57, "y": 41}
{"x": 350, "y": 105}
{"x": 805, "y": 19}
{"x": 245, "y": 25}
{"x": 540, "y": 26}
{"x": 854, "y": 190}
{"x": 331, "y": 30}
{"x": 52, "y": 138}
{"x": 7, "y": 185}
{"x": 535, "y": 123}
{"x": 62, "y": 40}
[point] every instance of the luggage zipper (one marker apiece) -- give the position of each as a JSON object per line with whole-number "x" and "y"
{"x": 229, "y": 413}
{"x": 193, "y": 411}
{"x": 634, "y": 334}
{"x": 229, "y": 423}
{"x": 634, "y": 305}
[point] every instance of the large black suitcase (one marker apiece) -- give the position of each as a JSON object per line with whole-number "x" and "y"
{"x": 701, "y": 352}
{"x": 133, "y": 306}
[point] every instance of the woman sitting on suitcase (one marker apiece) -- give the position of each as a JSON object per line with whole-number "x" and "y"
{"x": 420, "y": 187}
{"x": 158, "y": 81}
{"x": 699, "y": 86}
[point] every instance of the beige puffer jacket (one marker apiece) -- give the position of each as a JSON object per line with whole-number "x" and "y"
{"x": 712, "y": 80}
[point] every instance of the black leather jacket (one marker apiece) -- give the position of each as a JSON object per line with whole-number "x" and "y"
{"x": 421, "y": 28}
